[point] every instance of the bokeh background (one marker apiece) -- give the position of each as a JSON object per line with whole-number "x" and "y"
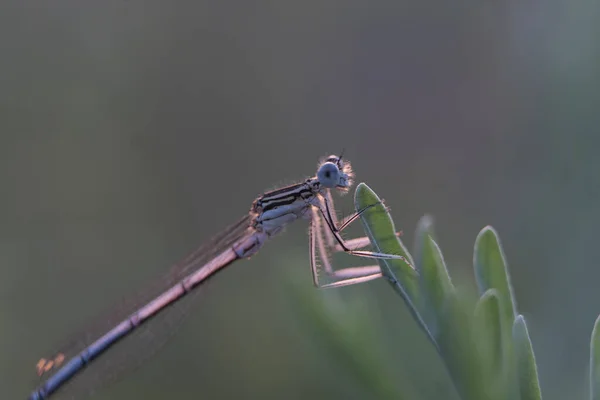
{"x": 131, "y": 131}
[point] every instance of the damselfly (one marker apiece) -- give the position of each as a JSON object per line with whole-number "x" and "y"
{"x": 269, "y": 214}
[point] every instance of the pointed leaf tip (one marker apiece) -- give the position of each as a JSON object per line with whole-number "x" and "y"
{"x": 529, "y": 384}
{"x": 491, "y": 272}
{"x": 489, "y": 318}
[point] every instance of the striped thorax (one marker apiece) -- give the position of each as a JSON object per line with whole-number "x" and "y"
{"x": 275, "y": 209}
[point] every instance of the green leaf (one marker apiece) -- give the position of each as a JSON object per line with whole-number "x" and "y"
{"x": 491, "y": 273}
{"x": 529, "y": 385}
{"x": 494, "y": 350}
{"x": 434, "y": 282}
{"x": 489, "y": 330}
{"x": 381, "y": 231}
{"x": 458, "y": 347}
{"x": 595, "y": 361}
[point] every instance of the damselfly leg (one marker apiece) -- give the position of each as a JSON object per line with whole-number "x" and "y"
{"x": 324, "y": 238}
{"x": 352, "y": 244}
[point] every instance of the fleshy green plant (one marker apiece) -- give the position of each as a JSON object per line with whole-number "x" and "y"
{"x": 482, "y": 341}
{"x": 485, "y": 346}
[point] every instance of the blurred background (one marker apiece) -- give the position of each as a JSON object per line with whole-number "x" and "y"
{"x": 132, "y": 131}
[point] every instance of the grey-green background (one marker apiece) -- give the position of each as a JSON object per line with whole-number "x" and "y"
{"x": 130, "y": 131}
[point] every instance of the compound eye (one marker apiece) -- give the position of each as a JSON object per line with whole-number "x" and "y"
{"x": 329, "y": 175}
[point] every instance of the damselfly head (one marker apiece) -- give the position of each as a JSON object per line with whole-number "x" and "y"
{"x": 335, "y": 173}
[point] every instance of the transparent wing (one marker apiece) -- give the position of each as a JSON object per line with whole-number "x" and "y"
{"x": 147, "y": 339}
